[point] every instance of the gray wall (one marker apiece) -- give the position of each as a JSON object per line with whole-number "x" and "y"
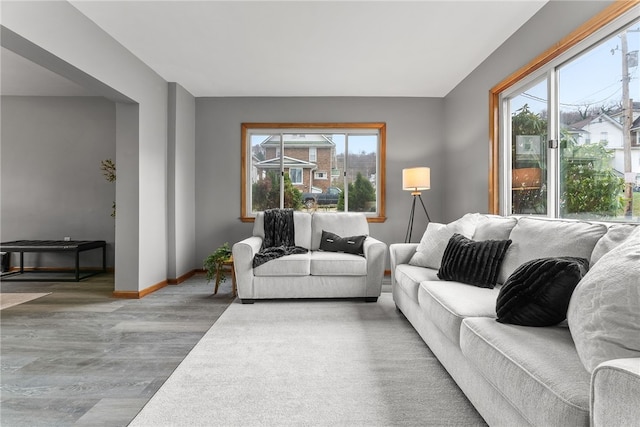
{"x": 87, "y": 54}
{"x": 181, "y": 182}
{"x": 52, "y": 186}
{"x": 466, "y": 108}
{"x": 414, "y": 138}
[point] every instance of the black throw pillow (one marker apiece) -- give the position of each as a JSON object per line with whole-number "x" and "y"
{"x": 331, "y": 242}
{"x": 471, "y": 262}
{"x": 538, "y": 292}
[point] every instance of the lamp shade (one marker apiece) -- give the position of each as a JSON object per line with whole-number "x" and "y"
{"x": 416, "y": 179}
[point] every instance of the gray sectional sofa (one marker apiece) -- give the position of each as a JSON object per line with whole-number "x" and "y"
{"x": 315, "y": 274}
{"x": 579, "y": 372}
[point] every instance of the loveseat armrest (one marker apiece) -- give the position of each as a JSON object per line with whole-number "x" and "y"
{"x": 243, "y": 253}
{"x": 615, "y": 390}
{"x": 375, "y": 252}
{"x": 400, "y": 253}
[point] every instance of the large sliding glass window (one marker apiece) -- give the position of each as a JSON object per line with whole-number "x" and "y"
{"x": 326, "y": 167}
{"x": 569, "y": 132}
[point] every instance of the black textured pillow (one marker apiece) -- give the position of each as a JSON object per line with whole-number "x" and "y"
{"x": 331, "y": 242}
{"x": 538, "y": 292}
{"x": 475, "y": 263}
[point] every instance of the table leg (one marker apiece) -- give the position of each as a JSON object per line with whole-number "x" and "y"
{"x": 234, "y": 289}
{"x": 21, "y": 262}
{"x": 77, "y": 266}
{"x": 215, "y": 291}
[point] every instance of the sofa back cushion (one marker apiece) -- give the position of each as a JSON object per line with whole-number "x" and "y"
{"x": 344, "y": 224}
{"x": 615, "y": 235}
{"x": 494, "y": 227}
{"x": 533, "y": 238}
{"x": 301, "y": 225}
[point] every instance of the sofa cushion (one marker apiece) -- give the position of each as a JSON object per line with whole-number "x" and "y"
{"x": 612, "y": 286}
{"x": 331, "y": 242}
{"x": 337, "y": 264}
{"x": 536, "y": 369}
{"x": 301, "y": 226}
{"x": 436, "y": 237}
{"x": 408, "y": 278}
{"x": 540, "y": 238}
{"x": 615, "y": 235}
{"x": 538, "y": 292}
{"x": 342, "y": 224}
{"x": 475, "y": 263}
{"x": 289, "y": 265}
{"x": 448, "y": 303}
{"x": 494, "y": 227}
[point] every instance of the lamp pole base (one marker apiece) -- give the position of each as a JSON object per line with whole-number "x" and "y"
{"x": 416, "y": 195}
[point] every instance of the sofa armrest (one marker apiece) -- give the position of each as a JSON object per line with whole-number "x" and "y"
{"x": 375, "y": 252}
{"x": 400, "y": 253}
{"x": 615, "y": 390}
{"x": 243, "y": 253}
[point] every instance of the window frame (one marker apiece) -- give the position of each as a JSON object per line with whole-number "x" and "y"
{"x": 381, "y": 127}
{"x": 300, "y": 175}
{"x": 588, "y": 33}
{"x": 320, "y": 175}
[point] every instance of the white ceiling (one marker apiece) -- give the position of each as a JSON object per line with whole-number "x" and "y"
{"x": 308, "y": 48}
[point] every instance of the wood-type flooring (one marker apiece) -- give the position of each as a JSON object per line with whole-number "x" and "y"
{"x": 81, "y": 357}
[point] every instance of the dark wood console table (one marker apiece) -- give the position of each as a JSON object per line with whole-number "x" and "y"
{"x": 75, "y": 246}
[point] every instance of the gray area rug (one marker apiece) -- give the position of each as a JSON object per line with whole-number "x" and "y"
{"x": 312, "y": 363}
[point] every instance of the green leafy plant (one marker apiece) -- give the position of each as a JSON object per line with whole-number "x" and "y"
{"x": 108, "y": 168}
{"x": 213, "y": 263}
{"x": 360, "y": 192}
{"x": 589, "y": 183}
{"x": 266, "y": 193}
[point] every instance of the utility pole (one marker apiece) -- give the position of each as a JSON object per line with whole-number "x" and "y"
{"x": 627, "y": 119}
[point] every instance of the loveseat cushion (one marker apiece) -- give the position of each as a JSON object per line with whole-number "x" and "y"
{"x": 408, "y": 278}
{"x": 448, "y": 303}
{"x": 337, "y": 264}
{"x": 342, "y": 224}
{"x": 536, "y": 369}
{"x": 301, "y": 228}
{"x": 289, "y": 265}
{"x": 535, "y": 238}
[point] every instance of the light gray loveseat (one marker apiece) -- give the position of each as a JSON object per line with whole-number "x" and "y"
{"x": 523, "y": 375}
{"x": 316, "y": 274}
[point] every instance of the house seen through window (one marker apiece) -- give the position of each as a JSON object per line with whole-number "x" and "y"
{"x": 569, "y": 133}
{"x": 332, "y": 167}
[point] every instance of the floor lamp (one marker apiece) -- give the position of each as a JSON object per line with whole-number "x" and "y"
{"x": 415, "y": 180}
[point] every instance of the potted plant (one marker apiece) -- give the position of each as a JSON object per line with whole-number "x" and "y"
{"x": 213, "y": 263}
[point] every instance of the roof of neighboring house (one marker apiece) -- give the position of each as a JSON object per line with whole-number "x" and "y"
{"x": 289, "y": 162}
{"x": 300, "y": 140}
{"x": 579, "y": 126}
{"x": 635, "y": 126}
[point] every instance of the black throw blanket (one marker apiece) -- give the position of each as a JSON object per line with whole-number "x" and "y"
{"x": 279, "y": 237}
